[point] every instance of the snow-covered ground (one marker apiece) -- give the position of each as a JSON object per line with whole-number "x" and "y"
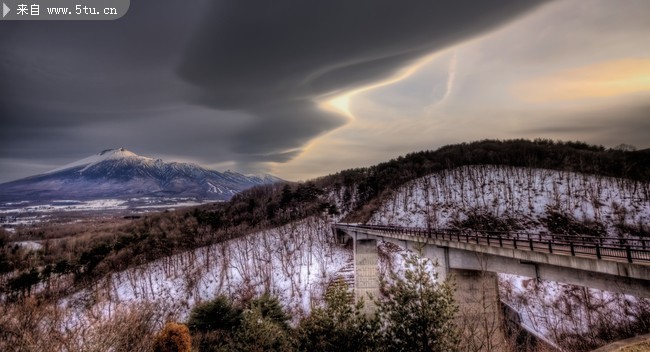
{"x": 98, "y": 205}
{"x": 527, "y": 196}
{"x": 294, "y": 262}
{"x": 524, "y": 194}
{"x": 25, "y": 213}
{"x": 31, "y": 245}
{"x": 297, "y": 261}
{"x": 553, "y": 309}
{"x": 67, "y": 206}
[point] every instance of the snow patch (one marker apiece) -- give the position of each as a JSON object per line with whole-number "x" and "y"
{"x": 109, "y": 154}
{"x": 294, "y": 262}
{"x": 526, "y": 194}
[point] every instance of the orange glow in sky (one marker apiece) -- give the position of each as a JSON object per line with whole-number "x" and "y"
{"x": 605, "y": 79}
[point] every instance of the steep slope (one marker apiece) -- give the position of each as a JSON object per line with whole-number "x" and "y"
{"x": 119, "y": 173}
{"x": 294, "y": 262}
{"x": 504, "y": 198}
{"x": 266, "y": 238}
{"x": 366, "y": 187}
{"x": 501, "y": 198}
{"x": 297, "y": 261}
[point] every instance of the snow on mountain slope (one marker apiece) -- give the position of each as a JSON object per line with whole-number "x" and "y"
{"x": 265, "y": 178}
{"x": 528, "y": 196}
{"x": 530, "y": 200}
{"x": 119, "y": 173}
{"x": 294, "y": 262}
{"x": 108, "y": 154}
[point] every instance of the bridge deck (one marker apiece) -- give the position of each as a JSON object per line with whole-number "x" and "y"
{"x": 625, "y": 250}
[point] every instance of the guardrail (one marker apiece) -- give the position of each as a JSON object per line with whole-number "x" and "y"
{"x": 608, "y": 248}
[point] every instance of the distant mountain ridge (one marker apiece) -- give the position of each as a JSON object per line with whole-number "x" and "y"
{"x": 120, "y": 173}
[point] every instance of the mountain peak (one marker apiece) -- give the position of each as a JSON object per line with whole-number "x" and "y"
{"x": 118, "y": 152}
{"x": 120, "y": 173}
{"x": 106, "y": 154}
{"x": 268, "y": 178}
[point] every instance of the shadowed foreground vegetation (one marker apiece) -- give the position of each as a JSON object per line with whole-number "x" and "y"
{"x": 417, "y": 315}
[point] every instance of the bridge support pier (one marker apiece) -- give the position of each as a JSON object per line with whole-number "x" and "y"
{"x": 366, "y": 273}
{"x": 439, "y": 255}
{"x": 480, "y": 317}
{"x": 477, "y": 294}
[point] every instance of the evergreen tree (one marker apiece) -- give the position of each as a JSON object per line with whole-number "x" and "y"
{"x": 419, "y": 312}
{"x": 339, "y": 325}
{"x": 213, "y": 323}
{"x": 218, "y": 314}
{"x": 269, "y": 307}
{"x": 259, "y": 333}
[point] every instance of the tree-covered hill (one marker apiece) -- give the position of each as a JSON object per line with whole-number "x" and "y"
{"x": 351, "y": 195}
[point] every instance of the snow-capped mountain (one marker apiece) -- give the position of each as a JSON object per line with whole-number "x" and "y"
{"x": 119, "y": 173}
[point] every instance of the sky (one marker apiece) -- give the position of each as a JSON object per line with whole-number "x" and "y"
{"x": 301, "y": 89}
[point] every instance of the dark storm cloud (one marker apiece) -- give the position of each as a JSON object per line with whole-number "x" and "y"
{"x": 273, "y": 58}
{"x": 60, "y": 81}
{"x": 259, "y": 52}
{"x": 217, "y": 80}
{"x": 284, "y": 119}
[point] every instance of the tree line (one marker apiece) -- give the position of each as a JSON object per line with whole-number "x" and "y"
{"x": 417, "y": 314}
{"x": 352, "y": 194}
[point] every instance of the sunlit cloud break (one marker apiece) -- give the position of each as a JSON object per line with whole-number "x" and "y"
{"x": 340, "y": 103}
{"x": 451, "y": 77}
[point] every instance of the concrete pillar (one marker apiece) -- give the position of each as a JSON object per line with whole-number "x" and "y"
{"x": 366, "y": 273}
{"x": 438, "y": 255}
{"x": 480, "y": 316}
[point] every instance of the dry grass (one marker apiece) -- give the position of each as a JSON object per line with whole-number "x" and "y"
{"x": 36, "y": 326}
{"x": 640, "y": 347}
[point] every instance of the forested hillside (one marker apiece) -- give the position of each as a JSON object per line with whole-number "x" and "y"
{"x": 275, "y": 239}
{"x": 351, "y": 195}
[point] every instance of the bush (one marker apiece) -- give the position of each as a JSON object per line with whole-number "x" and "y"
{"x": 565, "y": 224}
{"x": 482, "y": 221}
{"x": 258, "y": 333}
{"x": 174, "y": 337}
{"x": 257, "y": 325}
{"x": 213, "y": 323}
{"x": 218, "y": 314}
{"x": 269, "y": 308}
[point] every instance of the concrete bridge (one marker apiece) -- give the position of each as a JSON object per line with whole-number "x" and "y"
{"x": 474, "y": 259}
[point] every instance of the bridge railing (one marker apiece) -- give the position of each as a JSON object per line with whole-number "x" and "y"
{"x": 613, "y": 248}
